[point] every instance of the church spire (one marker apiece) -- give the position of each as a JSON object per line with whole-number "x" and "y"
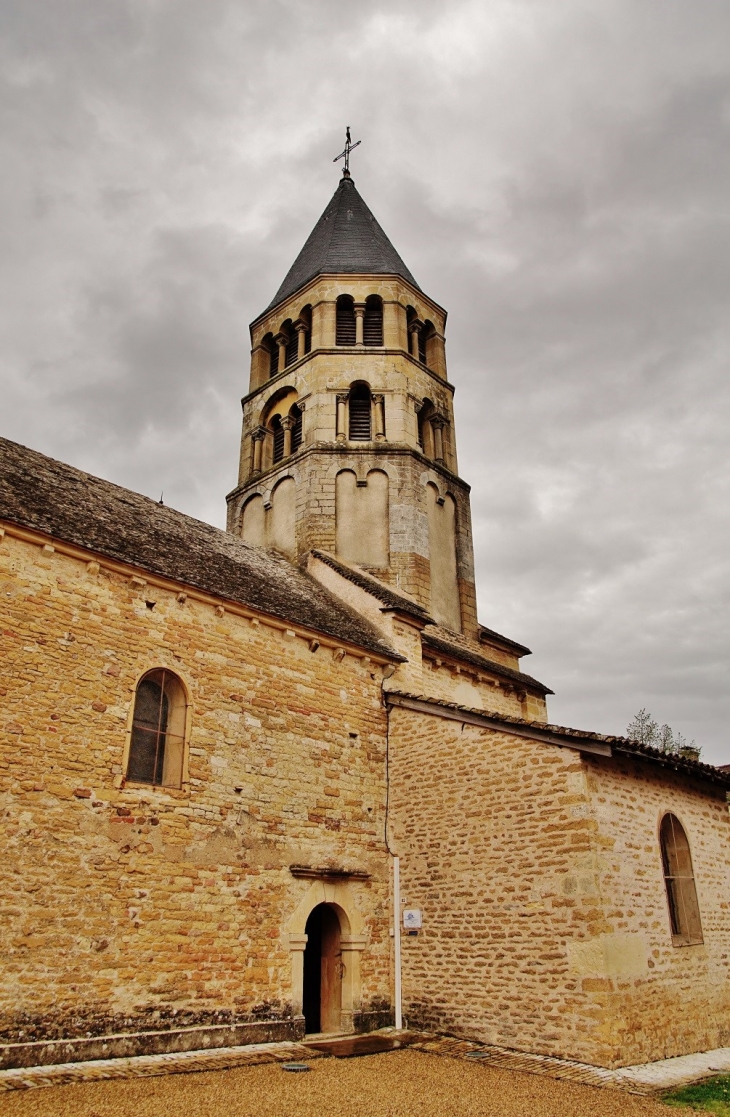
{"x": 347, "y": 240}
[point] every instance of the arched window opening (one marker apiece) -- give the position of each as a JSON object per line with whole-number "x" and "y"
{"x": 360, "y": 408}
{"x": 296, "y": 431}
{"x": 345, "y": 321}
{"x": 278, "y": 432}
{"x": 272, "y": 349}
{"x": 427, "y": 332}
{"x": 158, "y": 731}
{"x": 684, "y": 911}
{"x": 373, "y": 321}
{"x": 422, "y": 345}
{"x": 425, "y": 431}
{"x": 292, "y": 343}
{"x": 306, "y": 318}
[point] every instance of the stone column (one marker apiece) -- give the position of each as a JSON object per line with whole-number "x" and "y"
{"x": 352, "y": 947}
{"x": 414, "y": 329}
{"x": 297, "y": 946}
{"x": 438, "y": 424}
{"x": 359, "y": 322}
{"x": 287, "y": 423}
{"x": 257, "y": 437}
{"x": 281, "y": 340}
{"x": 379, "y": 417}
{"x": 301, "y": 328}
{"x": 341, "y": 421}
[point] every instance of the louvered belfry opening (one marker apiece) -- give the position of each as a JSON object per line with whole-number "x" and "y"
{"x": 422, "y": 345}
{"x": 296, "y": 431}
{"x": 273, "y": 350}
{"x": 292, "y": 344}
{"x": 345, "y": 322}
{"x": 373, "y": 321}
{"x": 278, "y": 438}
{"x": 360, "y": 409}
{"x": 306, "y": 317}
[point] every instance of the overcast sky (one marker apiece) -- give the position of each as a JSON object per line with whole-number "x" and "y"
{"x": 557, "y": 175}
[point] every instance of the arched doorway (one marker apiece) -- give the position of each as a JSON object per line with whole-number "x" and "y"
{"x": 322, "y": 989}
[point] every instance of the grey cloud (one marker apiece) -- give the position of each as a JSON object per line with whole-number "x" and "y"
{"x": 557, "y": 176}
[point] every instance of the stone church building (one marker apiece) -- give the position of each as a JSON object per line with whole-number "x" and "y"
{"x": 219, "y": 749}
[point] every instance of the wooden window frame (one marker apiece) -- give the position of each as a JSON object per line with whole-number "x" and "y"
{"x": 683, "y": 907}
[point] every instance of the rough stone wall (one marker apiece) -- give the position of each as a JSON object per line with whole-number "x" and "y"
{"x": 131, "y": 906}
{"x": 659, "y": 999}
{"x": 530, "y": 919}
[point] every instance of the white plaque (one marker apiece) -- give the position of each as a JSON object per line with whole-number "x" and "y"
{"x": 412, "y": 920}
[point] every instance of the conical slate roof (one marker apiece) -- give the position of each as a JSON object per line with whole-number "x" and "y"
{"x": 348, "y": 239}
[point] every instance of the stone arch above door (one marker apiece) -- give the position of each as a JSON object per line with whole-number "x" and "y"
{"x": 353, "y": 940}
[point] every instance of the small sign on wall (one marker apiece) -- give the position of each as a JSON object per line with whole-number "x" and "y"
{"x": 412, "y": 919}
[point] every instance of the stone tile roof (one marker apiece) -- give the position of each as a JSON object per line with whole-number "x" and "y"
{"x": 390, "y": 598}
{"x": 455, "y": 645}
{"x": 490, "y": 636}
{"x": 545, "y": 730}
{"x": 51, "y": 497}
{"x": 346, "y": 239}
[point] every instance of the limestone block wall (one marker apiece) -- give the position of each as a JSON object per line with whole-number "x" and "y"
{"x": 658, "y": 999}
{"x": 128, "y": 906}
{"x": 536, "y": 883}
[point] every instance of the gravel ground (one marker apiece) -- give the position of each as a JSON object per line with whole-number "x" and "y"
{"x": 396, "y": 1084}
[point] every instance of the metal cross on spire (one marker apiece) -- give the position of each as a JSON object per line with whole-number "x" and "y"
{"x": 346, "y": 153}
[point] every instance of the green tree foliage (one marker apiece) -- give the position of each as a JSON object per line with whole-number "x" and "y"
{"x": 643, "y": 728}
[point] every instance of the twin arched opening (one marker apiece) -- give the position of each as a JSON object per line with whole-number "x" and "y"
{"x": 290, "y": 344}
{"x": 359, "y": 323}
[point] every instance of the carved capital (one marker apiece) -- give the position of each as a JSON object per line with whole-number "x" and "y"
{"x": 258, "y": 434}
{"x": 287, "y": 422}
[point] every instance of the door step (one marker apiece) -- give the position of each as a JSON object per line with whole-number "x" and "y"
{"x": 370, "y": 1043}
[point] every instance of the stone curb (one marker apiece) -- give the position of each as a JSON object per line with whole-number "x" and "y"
{"x": 144, "y": 1066}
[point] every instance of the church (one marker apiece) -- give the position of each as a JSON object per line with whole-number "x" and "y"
{"x": 279, "y": 780}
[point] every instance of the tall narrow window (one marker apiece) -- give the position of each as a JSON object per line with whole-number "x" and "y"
{"x": 296, "y": 431}
{"x": 373, "y": 321}
{"x": 273, "y": 351}
{"x": 345, "y": 321}
{"x": 158, "y": 731}
{"x": 422, "y": 345}
{"x": 306, "y": 317}
{"x": 278, "y": 438}
{"x": 292, "y": 345}
{"x": 684, "y": 911}
{"x": 360, "y": 408}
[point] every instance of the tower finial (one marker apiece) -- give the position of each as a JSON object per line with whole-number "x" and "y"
{"x": 346, "y": 153}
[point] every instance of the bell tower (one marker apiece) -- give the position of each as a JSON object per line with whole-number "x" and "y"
{"x": 348, "y": 441}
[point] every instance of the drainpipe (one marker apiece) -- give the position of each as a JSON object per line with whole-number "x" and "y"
{"x": 396, "y": 931}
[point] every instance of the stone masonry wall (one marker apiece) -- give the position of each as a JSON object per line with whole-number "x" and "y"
{"x": 529, "y": 914}
{"x": 659, "y": 999}
{"x": 130, "y": 907}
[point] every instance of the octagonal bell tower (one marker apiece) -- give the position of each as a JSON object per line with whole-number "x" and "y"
{"x": 348, "y": 439}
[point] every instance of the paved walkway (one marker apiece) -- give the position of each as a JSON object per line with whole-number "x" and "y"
{"x": 644, "y": 1079}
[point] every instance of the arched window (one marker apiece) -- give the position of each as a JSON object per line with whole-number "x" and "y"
{"x": 345, "y": 321}
{"x": 292, "y": 343}
{"x": 296, "y": 431}
{"x": 360, "y": 408}
{"x": 684, "y": 911}
{"x": 157, "y": 744}
{"x": 272, "y": 349}
{"x": 373, "y": 321}
{"x": 306, "y": 318}
{"x": 278, "y": 431}
{"x": 427, "y": 333}
{"x": 425, "y": 430}
{"x": 422, "y": 345}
